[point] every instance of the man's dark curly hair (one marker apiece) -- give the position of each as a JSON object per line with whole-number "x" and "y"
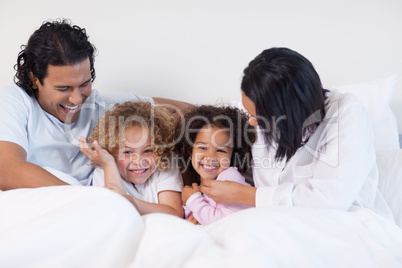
{"x": 56, "y": 43}
{"x": 225, "y": 117}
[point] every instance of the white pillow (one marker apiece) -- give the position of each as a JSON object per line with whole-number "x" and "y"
{"x": 390, "y": 181}
{"x": 376, "y": 95}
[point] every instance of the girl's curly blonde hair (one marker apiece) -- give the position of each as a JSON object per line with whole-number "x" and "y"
{"x": 111, "y": 129}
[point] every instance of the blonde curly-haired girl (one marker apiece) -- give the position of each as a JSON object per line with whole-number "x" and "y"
{"x": 131, "y": 148}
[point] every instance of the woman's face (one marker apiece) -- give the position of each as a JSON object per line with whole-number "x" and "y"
{"x": 250, "y": 107}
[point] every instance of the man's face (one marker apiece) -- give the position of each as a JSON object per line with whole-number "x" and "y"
{"x": 64, "y": 90}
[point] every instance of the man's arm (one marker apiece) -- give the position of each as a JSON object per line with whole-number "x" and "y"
{"x": 16, "y": 172}
{"x": 173, "y": 106}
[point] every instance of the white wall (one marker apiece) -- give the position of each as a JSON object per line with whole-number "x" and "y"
{"x": 196, "y": 51}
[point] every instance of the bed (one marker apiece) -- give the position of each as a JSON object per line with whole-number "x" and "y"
{"x": 75, "y": 226}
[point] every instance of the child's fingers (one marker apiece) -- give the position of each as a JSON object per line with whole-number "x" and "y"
{"x": 192, "y": 219}
{"x": 83, "y": 143}
{"x": 96, "y": 146}
{"x": 195, "y": 187}
{"x": 85, "y": 147}
{"x": 205, "y": 186}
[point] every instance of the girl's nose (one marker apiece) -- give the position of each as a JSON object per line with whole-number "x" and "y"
{"x": 134, "y": 159}
{"x": 210, "y": 157}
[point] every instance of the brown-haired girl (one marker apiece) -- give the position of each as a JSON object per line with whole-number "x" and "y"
{"x": 214, "y": 144}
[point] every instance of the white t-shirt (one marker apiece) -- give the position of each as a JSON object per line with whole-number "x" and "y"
{"x": 335, "y": 169}
{"x": 46, "y": 140}
{"x": 170, "y": 180}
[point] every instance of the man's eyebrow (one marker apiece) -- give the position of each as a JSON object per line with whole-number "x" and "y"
{"x": 64, "y": 86}
{"x": 89, "y": 80}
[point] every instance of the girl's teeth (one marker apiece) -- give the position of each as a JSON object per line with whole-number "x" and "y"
{"x": 209, "y": 167}
{"x": 138, "y": 170}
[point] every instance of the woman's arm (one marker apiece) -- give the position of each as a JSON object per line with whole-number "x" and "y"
{"x": 169, "y": 202}
{"x": 229, "y": 192}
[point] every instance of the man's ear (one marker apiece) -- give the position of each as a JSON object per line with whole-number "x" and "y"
{"x": 34, "y": 80}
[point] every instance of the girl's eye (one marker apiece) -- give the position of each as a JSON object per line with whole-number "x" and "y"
{"x": 148, "y": 151}
{"x": 202, "y": 148}
{"x": 221, "y": 151}
{"x": 126, "y": 152}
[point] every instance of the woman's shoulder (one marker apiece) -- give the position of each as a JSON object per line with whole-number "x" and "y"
{"x": 342, "y": 98}
{"x": 339, "y": 102}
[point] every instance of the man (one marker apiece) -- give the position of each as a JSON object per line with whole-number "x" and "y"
{"x": 52, "y": 105}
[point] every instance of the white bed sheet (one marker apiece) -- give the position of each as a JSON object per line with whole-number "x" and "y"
{"x": 69, "y": 226}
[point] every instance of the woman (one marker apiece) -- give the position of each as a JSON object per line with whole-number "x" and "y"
{"x": 314, "y": 148}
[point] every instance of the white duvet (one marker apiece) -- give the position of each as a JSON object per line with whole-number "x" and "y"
{"x": 72, "y": 226}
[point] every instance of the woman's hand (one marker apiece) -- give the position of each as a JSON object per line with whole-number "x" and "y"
{"x": 95, "y": 152}
{"x": 189, "y": 191}
{"x": 229, "y": 192}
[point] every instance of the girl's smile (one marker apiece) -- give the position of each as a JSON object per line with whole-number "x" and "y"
{"x": 136, "y": 160}
{"x": 212, "y": 152}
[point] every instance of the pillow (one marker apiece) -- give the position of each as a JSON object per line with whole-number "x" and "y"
{"x": 376, "y": 95}
{"x": 390, "y": 181}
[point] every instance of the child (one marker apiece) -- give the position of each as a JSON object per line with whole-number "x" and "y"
{"x": 217, "y": 141}
{"x": 130, "y": 147}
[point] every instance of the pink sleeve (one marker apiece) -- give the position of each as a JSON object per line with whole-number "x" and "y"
{"x": 207, "y": 212}
{"x": 232, "y": 174}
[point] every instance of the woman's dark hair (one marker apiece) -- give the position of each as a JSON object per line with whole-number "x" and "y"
{"x": 56, "y": 43}
{"x": 288, "y": 97}
{"x": 231, "y": 118}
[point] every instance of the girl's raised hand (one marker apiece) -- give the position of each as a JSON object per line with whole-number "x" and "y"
{"x": 189, "y": 191}
{"x": 95, "y": 152}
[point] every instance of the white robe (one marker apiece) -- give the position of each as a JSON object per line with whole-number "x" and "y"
{"x": 336, "y": 168}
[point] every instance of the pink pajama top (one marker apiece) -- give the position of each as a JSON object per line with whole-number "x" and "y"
{"x": 205, "y": 209}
